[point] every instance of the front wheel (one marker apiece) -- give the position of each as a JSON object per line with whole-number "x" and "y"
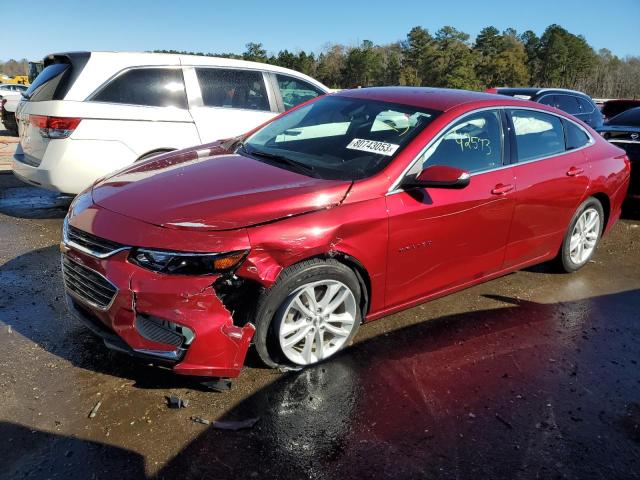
{"x": 582, "y": 236}
{"x": 309, "y": 314}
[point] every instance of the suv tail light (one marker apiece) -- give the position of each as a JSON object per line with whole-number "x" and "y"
{"x": 54, "y": 127}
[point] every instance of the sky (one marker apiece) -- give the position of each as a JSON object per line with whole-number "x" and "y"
{"x": 40, "y": 27}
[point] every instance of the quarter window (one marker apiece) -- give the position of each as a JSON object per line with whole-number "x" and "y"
{"x": 295, "y": 92}
{"x": 473, "y": 144}
{"x": 152, "y": 87}
{"x": 232, "y": 88}
{"x": 537, "y": 134}
{"x": 576, "y": 137}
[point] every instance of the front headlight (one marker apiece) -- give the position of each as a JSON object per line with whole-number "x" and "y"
{"x": 182, "y": 263}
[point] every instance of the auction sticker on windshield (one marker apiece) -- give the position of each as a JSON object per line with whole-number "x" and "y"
{"x": 372, "y": 146}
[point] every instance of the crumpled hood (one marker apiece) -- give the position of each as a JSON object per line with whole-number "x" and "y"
{"x": 214, "y": 192}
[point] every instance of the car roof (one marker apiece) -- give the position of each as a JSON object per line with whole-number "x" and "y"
{"x": 102, "y": 65}
{"x": 440, "y": 99}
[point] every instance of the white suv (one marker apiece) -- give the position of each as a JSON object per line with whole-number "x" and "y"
{"x": 90, "y": 113}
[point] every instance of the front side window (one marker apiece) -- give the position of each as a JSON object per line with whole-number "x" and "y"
{"x": 473, "y": 144}
{"x": 537, "y": 134}
{"x": 338, "y": 137}
{"x": 294, "y": 91}
{"x": 152, "y": 87}
{"x": 227, "y": 88}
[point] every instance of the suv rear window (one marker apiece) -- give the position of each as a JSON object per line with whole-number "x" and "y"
{"x": 48, "y": 84}
{"x": 232, "y": 88}
{"x": 152, "y": 87}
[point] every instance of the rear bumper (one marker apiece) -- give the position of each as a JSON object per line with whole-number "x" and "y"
{"x": 70, "y": 166}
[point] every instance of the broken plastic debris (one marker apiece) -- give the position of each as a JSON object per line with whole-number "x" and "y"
{"x": 95, "y": 409}
{"x": 173, "y": 401}
{"x": 201, "y": 420}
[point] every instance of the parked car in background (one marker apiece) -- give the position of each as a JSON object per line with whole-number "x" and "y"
{"x": 623, "y": 130}
{"x": 12, "y": 88}
{"x": 8, "y": 104}
{"x": 190, "y": 257}
{"x": 578, "y": 104}
{"x": 611, "y": 108}
{"x": 90, "y": 113}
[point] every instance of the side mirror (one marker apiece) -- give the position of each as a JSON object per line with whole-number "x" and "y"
{"x": 439, "y": 176}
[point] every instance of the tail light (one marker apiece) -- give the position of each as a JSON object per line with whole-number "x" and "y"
{"x": 54, "y": 127}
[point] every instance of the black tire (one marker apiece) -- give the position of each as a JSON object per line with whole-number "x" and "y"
{"x": 290, "y": 280}
{"x": 564, "y": 260}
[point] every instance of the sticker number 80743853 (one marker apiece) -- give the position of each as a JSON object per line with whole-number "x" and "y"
{"x": 381, "y": 148}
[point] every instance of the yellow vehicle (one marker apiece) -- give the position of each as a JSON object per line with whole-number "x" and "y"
{"x": 18, "y": 79}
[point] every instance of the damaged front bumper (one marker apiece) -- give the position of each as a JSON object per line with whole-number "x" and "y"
{"x": 178, "y": 321}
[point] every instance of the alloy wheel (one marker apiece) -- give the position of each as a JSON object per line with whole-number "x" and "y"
{"x": 317, "y": 320}
{"x": 584, "y": 236}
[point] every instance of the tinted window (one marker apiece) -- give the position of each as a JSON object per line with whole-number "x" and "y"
{"x": 576, "y": 137}
{"x": 473, "y": 144}
{"x": 295, "y": 92}
{"x": 548, "y": 100}
{"x": 232, "y": 88}
{"x": 537, "y": 134}
{"x": 153, "y": 87}
{"x": 50, "y": 80}
{"x": 630, "y": 117}
{"x": 585, "y": 105}
{"x": 338, "y": 137}
{"x": 567, "y": 103}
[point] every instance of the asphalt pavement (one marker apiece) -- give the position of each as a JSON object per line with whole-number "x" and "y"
{"x": 533, "y": 375}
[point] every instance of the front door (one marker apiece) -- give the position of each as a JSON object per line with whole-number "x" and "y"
{"x": 441, "y": 238}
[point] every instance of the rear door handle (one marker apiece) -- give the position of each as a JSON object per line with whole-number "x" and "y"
{"x": 501, "y": 189}
{"x": 574, "y": 171}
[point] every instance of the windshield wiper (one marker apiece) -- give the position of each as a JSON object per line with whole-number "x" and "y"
{"x": 278, "y": 158}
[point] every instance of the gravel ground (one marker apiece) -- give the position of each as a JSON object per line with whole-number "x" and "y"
{"x": 533, "y": 375}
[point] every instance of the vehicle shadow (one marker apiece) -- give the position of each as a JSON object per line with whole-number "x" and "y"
{"x": 28, "y": 453}
{"x": 525, "y": 390}
{"x": 23, "y": 201}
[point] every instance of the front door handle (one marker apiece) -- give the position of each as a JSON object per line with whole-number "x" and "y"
{"x": 501, "y": 189}
{"x": 574, "y": 171}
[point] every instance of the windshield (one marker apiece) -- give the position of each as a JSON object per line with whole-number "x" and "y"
{"x": 338, "y": 138}
{"x": 630, "y": 117}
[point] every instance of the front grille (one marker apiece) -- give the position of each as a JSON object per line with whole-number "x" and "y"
{"x": 87, "y": 285}
{"x": 96, "y": 246}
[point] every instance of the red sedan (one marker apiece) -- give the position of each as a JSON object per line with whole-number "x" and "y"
{"x": 346, "y": 209}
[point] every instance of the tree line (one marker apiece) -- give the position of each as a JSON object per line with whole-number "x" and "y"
{"x": 448, "y": 58}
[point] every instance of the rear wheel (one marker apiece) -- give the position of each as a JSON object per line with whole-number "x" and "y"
{"x": 309, "y": 314}
{"x": 582, "y": 236}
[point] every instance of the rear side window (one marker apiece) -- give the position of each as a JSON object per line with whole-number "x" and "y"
{"x": 576, "y": 137}
{"x": 152, "y": 87}
{"x": 567, "y": 103}
{"x": 586, "y": 106}
{"x": 49, "y": 83}
{"x": 537, "y": 134}
{"x": 227, "y": 88}
{"x": 473, "y": 144}
{"x": 294, "y": 91}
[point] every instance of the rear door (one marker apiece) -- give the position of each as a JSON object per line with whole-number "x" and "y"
{"x": 227, "y": 101}
{"x": 552, "y": 173}
{"x": 442, "y": 238}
